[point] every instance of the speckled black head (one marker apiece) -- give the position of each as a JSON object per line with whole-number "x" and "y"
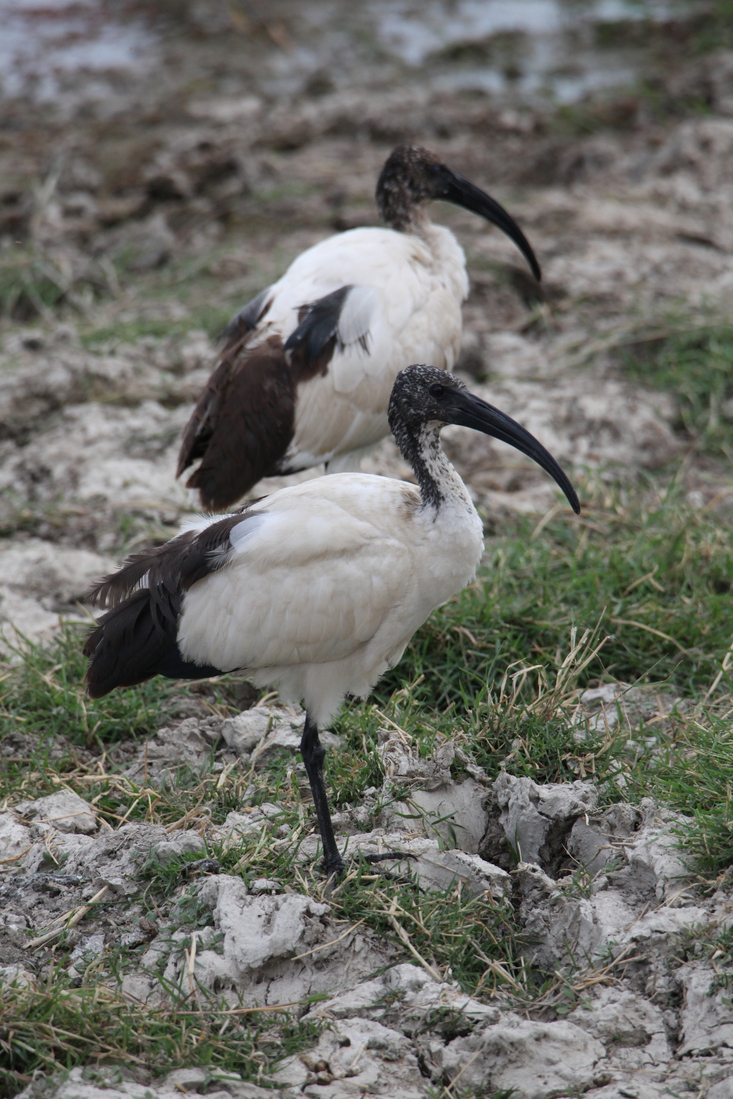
{"x": 407, "y": 181}
{"x": 419, "y": 396}
{"x": 424, "y": 398}
{"x": 413, "y": 176}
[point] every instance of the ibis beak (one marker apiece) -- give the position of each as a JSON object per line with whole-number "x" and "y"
{"x": 469, "y": 410}
{"x": 460, "y": 192}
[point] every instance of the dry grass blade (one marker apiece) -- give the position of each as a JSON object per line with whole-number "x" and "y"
{"x": 71, "y": 919}
{"x": 405, "y": 938}
{"x": 555, "y": 696}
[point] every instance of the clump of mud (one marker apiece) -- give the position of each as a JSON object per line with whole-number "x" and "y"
{"x": 602, "y": 896}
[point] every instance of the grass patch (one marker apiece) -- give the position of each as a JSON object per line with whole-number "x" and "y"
{"x": 691, "y": 772}
{"x": 713, "y": 29}
{"x": 212, "y": 320}
{"x": 697, "y": 367}
{"x": 36, "y": 283}
{"x": 56, "y": 1026}
{"x": 472, "y": 939}
{"x": 652, "y": 583}
{"x": 44, "y": 695}
{"x": 20, "y": 515}
{"x": 43, "y": 703}
{"x": 713, "y": 946}
{"x": 188, "y": 799}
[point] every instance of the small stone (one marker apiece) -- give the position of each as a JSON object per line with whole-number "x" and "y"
{"x": 722, "y": 1090}
{"x": 187, "y": 1079}
{"x": 537, "y": 820}
{"x": 64, "y": 811}
{"x": 265, "y": 885}
{"x": 707, "y": 1013}
{"x": 259, "y": 731}
{"x": 538, "y": 1060}
{"x": 16, "y": 976}
{"x": 183, "y": 843}
{"x": 15, "y": 838}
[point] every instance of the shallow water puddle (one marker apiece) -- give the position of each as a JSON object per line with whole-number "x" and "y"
{"x": 41, "y": 41}
{"x": 552, "y": 51}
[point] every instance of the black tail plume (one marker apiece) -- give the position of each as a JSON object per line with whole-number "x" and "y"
{"x": 131, "y": 644}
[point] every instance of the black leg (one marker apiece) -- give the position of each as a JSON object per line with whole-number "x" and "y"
{"x": 313, "y": 754}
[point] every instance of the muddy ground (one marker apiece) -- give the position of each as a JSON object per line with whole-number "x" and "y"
{"x": 132, "y": 224}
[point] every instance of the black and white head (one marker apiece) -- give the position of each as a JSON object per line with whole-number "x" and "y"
{"x": 413, "y": 176}
{"x": 424, "y": 399}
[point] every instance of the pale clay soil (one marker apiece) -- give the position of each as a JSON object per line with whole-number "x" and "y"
{"x": 631, "y": 228}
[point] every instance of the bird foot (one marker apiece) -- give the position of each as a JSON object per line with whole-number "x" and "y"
{"x": 337, "y": 870}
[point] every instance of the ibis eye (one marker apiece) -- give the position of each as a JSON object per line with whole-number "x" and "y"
{"x": 437, "y": 390}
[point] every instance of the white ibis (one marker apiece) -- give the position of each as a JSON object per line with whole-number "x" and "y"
{"x": 308, "y": 365}
{"x": 317, "y": 589}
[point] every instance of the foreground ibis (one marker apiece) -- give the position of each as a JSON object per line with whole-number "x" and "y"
{"x": 308, "y": 366}
{"x": 317, "y": 589}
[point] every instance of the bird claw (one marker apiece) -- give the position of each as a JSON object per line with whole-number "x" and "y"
{"x": 356, "y": 862}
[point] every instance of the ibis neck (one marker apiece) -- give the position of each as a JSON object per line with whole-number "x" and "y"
{"x": 436, "y": 477}
{"x": 404, "y": 216}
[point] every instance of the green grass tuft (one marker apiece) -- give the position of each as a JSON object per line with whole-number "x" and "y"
{"x": 44, "y": 695}
{"x": 56, "y": 1026}
{"x": 697, "y": 368}
{"x": 34, "y": 283}
{"x": 692, "y": 771}
{"x": 652, "y": 583}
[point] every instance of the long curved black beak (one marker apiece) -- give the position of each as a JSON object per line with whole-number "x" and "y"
{"x": 468, "y": 410}
{"x": 461, "y": 192}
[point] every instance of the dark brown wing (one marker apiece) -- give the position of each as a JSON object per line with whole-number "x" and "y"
{"x": 202, "y": 424}
{"x": 244, "y": 420}
{"x": 174, "y": 566}
{"x": 242, "y": 424}
{"x": 246, "y": 320}
{"x": 234, "y": 338}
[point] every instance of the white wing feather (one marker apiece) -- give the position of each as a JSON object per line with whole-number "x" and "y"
{"x": 407, "y": 304}
{"x": 317, "y": 597}
{"x": 357, "y": 315}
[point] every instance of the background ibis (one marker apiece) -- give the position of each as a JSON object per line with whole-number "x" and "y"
{"x": 308, "y": 366}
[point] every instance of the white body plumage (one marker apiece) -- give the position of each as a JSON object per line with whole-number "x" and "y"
{"x": 323, "y": 588}
{"x": 404, "y": 307}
